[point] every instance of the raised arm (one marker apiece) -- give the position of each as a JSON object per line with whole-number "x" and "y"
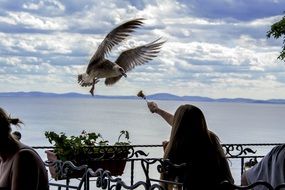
{"x": 168, "y": 117}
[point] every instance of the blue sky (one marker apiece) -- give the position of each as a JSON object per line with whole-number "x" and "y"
{"x": 214, "y": 48}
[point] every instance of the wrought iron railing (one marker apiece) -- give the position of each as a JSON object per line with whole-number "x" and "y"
{"x": 245, "y": 154}
{"x": 105, "y": 180}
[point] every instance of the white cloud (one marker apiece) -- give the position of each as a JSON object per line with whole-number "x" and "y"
{"x": 46, "y": 43}
{"x": 29, "y": 21}
{"x": 51, "y": 5}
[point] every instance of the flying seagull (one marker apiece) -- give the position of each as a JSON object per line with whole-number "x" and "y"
{"x": 100, "y": 67}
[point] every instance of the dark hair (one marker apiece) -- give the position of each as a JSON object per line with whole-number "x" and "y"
{"x": 192, "y": 143}
{"x": 6, "y": 121}
{"x": 15, "y": 121}
{"x": 189, "y": 130}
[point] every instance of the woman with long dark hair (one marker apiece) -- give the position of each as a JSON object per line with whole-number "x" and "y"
{"x": 192, "y": 143}
{"x": 21, "y": 168}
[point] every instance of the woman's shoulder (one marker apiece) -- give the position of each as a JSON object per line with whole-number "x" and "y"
{"x": 27, "y": 153}
{"x": 24, "y": 146}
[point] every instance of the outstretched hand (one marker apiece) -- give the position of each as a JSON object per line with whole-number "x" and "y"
{"x": 152, "y": 107}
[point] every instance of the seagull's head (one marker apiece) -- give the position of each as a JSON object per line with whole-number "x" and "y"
{"x": 119, "y": 71}
{"x": 122, "y": 72}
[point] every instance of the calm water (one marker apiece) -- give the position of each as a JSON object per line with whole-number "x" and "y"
{"x": 232, "y": 122}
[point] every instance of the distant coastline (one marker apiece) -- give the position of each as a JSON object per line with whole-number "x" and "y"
{"x": 158, "y": 96}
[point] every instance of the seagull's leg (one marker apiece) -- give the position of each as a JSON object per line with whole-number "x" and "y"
{"x": 93, "y": 86}
{"x": 96, "y": 81}
{"x": 92, "y": 89}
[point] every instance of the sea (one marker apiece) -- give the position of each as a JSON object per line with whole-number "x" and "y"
{"x": 232, "y": 122}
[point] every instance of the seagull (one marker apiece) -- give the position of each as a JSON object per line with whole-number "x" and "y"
{"x": 100, "y": 67}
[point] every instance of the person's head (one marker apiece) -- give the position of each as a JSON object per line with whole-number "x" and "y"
{"x": 189, "y": 132}
{"x": 5, "y": 126}
{"x": 189, "y": 125}
{"x": 189, "y": 120}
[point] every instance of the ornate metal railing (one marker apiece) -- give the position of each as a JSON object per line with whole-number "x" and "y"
{"x": 105, "y": 180}
{"x": 244, "y": 154}
{"x": 248, "y": 154}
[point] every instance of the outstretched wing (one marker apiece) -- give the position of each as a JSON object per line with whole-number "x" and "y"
{"x": 139, "y": 55}
{"x": 116, "y": 36}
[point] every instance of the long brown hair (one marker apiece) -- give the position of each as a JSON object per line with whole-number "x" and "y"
{"x": 189, "y": 130}
{"x": 192, "y": 143}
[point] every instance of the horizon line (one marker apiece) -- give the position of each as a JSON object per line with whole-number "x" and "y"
{"x": 155, "y": 96}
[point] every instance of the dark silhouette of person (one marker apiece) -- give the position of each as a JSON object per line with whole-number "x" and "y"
{"x": 21, "y": 168}
{"x": 192, "y": 143}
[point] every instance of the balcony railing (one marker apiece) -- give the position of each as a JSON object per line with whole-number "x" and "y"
{"x": 143, "y": 168}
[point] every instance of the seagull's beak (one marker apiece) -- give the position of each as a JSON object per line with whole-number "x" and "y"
{"x": 124, "y": 74}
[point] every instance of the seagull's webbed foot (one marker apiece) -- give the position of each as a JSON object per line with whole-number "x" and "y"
{"x": 92, "y": 90}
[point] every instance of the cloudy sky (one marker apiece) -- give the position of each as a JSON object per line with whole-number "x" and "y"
{"x": 214, "y": 48}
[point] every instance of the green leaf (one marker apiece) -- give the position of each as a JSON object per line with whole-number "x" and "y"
{"x": 74, "y": 147}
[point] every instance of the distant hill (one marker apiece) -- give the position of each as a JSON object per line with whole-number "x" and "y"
{"x": 158, "y": 96}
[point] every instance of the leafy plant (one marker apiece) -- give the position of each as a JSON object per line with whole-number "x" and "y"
{"x": 127, "y": 137}
{"x": 85, "y": 146}
{"x": 277, "y": 31}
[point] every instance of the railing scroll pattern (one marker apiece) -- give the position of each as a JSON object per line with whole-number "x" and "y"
{"x": 104, "y": 179}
